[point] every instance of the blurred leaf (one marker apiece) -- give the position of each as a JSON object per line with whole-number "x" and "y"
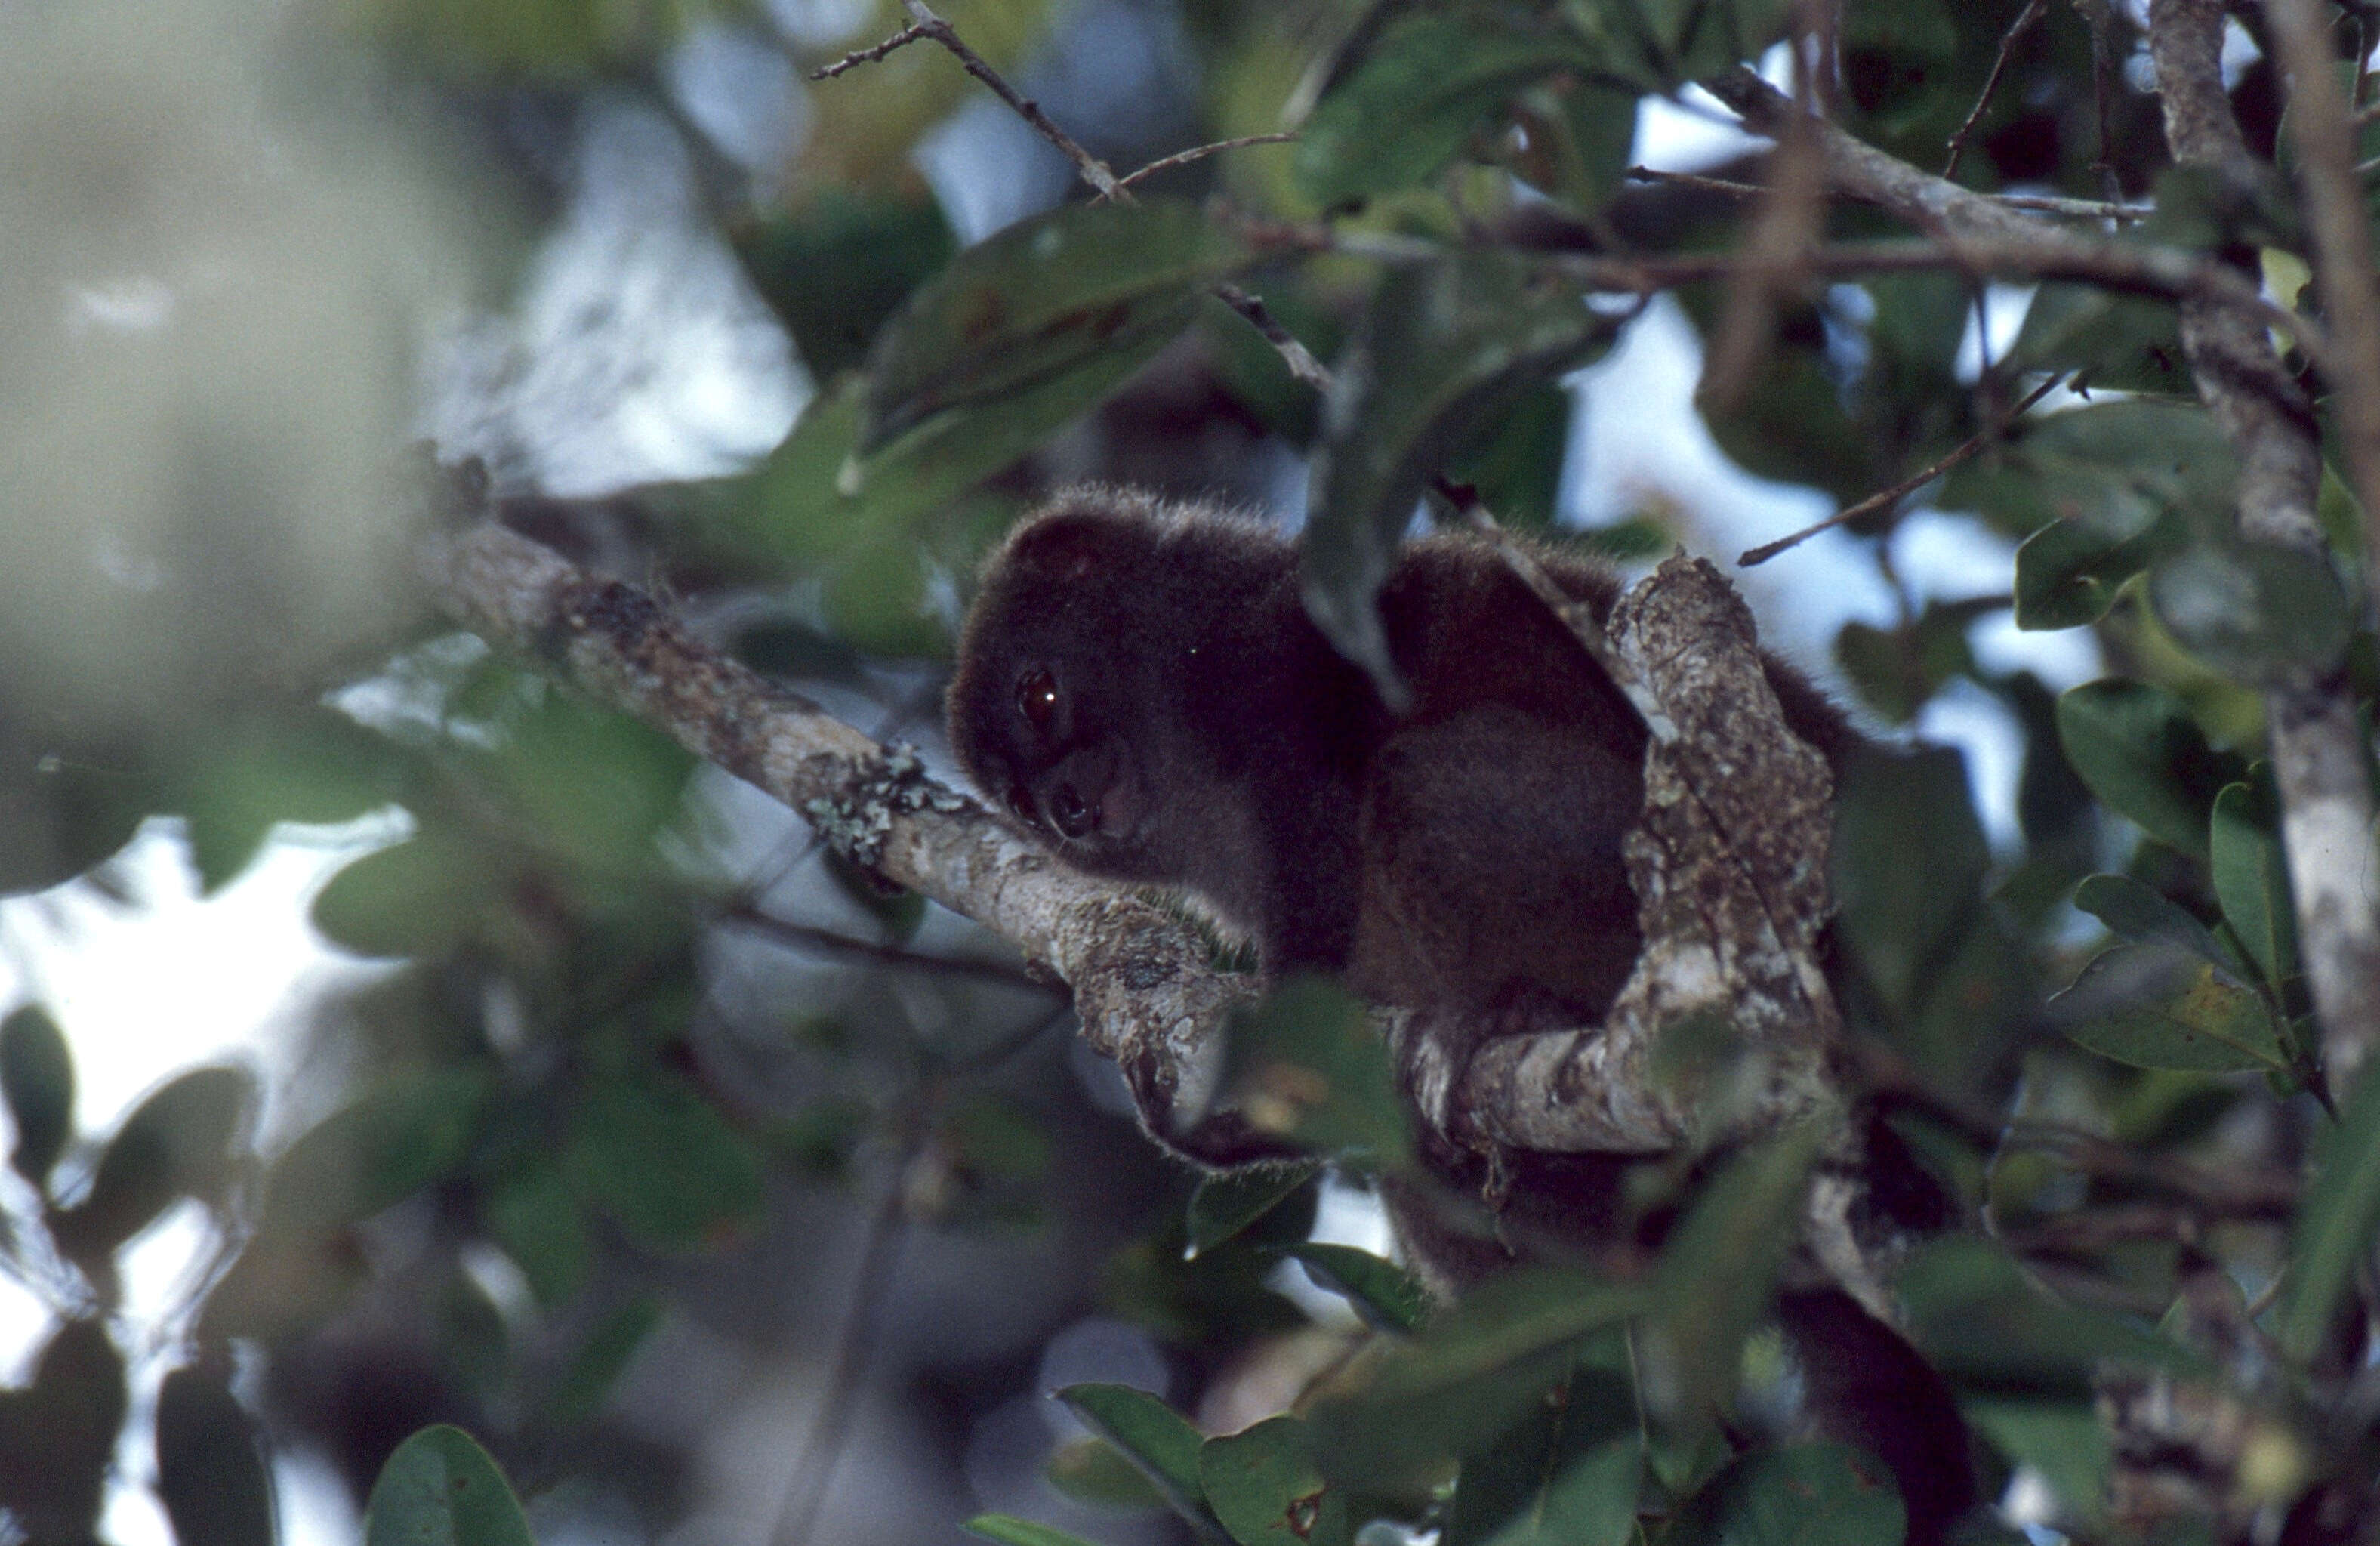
{"x": 1979, "y": 1320}
{"x": 788, "y": 649}
{"x": 37, "y": 1077}
{"x": 2127, "y": 343}
{"x": 997, "y": 1138}
{"x": 834, "y": 266}
{"x": 2335, "y": 1223}
{"x": 1517, "y": 469}
{"x": 1971, "y": 1007}
{"x": 315, "y": 765}
{"x": 534, "y": 1217}
{"x": 1787, "y": 1497}
{"x": 1568, "y": 1474}
{"x": 2160, "y": 1006}
{"x": 441, "y": 1489}
{"x": 1579, "y": 137}
{"x": 579, "y": 1393}
{"x": 1719, "y": 1271}
{"x": 57, "y": 1437}
{"x": 2252, "y": 611}
{"x": 598, "y": 786}
{"x": 2115, "y": 468}
{"x": 407, "y": 1131}
{"x": 2064, "y": 1440}
{"x": 1095, "y": 1472}
{"x": 2251, "y": 876}
{"x": 1446, "y": 349}
{"x": 661, "y": 1161}
{"x": 1012, "y": 1531}
{"x": 1430, "y": 80}
{"x": 211, "y": 1472}
{"x": 1229, "y": 1201}
{"x": 283, "y": 1286}
{"x": 1046, "y": 296}
{"x": 2068, "y": 573}
{"x": 1897, "y": 672}
{"x": 2145, "y": 758}
{"x": 1265, "y": 1489}
{"x": 1900, "y": 919}
{"x": 63, "y": 810}
{"x": 1305, "y": 1065}
{"x": 1157, "y": 1440}
{"x": 178, "y": 1142}
{"x": 412, "y": 898}
{"x": 1385, "y": 1295}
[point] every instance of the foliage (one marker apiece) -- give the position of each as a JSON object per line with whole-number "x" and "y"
{"x": 2097, "y": 1028}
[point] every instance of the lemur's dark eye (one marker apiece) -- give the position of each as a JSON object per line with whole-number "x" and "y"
{"x": 1037, "y": 699}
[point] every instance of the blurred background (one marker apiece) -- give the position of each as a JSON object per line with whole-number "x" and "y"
{"x": 725, "y": 1199}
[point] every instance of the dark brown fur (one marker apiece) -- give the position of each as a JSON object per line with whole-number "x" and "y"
{"x": 1192, "y": 727}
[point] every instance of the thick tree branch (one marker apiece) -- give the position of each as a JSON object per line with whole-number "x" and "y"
{"x": 2328, "y": 815}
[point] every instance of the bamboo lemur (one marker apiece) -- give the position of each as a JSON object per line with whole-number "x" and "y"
{"x": 1139, "y": 685}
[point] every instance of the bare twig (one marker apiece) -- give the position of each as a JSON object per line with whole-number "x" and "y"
{"x": 1295, "y": 355}
{"x": 2024, "y": 24}
{"x": 901, "y": 39}
{"x": 826, "y": 942}
{"x": 2037, "y": 203}
{"x": 1965, "y": 451}
{"x": 1200, "y": 153}
{"x": 2328, "y": 819}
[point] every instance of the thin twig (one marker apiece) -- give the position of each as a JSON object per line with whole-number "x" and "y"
{"x": 901, "y": 39}
{"x": 2024, "y": 24}
{"x": 826, "y": 941}
{"x": 2034, "y": 203}
{"x": 1965, "y": 451}
{"x": 1296, "y": 355}
{"x": 1200, "y": 153}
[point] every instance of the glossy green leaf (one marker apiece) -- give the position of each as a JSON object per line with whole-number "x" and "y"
{"x": 1900, "y": 919}
{"x": 1431, "y": 81}
{"x": 2134, "y": 911}
{"x": 1385, "y": 1295}
{"x": 1158, "y": 1441}
{"x": 441, "y": 1489}
{"x": 1010, "y": 1531}
{"x": 178, "y": 1142}
{"x": 1095, "y": 1472}
{"x": 1305, "y": 1065}
{"x": 211, "y": 1466}
{"x": 1231, "y": 1201}
{"x": 2252, "y": 875}
{"x": 2068, "y": 573}
{"x": 1719, "y": 1271}
{"x": 2139, "y": 752}
{"x": 1044, "y": 298}
{"x": 661, "y": 1161}
{"x": 406, "y": 1132}
{"x": 1445, "y": 348}
{"x": 2337, "y": 1222}
{"x": 1797, "y": 1496}
{"x": 1266, "y": 1490}
{"x": 37, "y": 1078}
{"x": 2257, "y": 612}
{"x": 2161, "y": 1006}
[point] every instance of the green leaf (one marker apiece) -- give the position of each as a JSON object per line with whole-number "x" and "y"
{"x": 1569, "y": 1472}
{"x": 1094, "y": 1472}
{"x": 178, "y": 1142}
{"x": 602, "y": 1359}
{"x": 661, "y": 1161}
{"x": 2134, "y": 911}
{"x": 1158, "y": 1441}
{"x": 1385, "y": 1295}
{"x": 2064, "y": 1440}
{"x": 1446, "y": 349}
{"x": 2068, "y": 573}
{"x": 1901, "y": 919}
{"x": 1229, "y": 1201}
{"x": 2335, "y": 1222}
{"x": 2139, "y": 752}
{"x": 1988, "y": 1328}
{"x": 316, "y": 765}
{"x": 211, "y": 1472}
{"x": 1042, "y": 299}
{"x": 1012, "y": 1531}
{"x": 1305, "y": 1065}
{"x": 1793, "y": 1497}
{"x": 2252, "y": 874}
{"x": 1719, "y": 1271}
{"x": 1266, "y": 1490}
{"x": 534, "y": 1216}
{"x": 840, "y": 262}
{"x": 409, "y": 1131}
{"x": 2257, "y": 612}
{"x": 1426, "y": 85}
{"x": 37, "y": 1078}
{"x": 2115, "y": 468}
{"x": 412, "y": 898}
{"x": 64, "y": 809}
{"x": 2127, "y": 343}
{"x": 2160, "y": 1006}
{"x": 441, "y": 1489}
